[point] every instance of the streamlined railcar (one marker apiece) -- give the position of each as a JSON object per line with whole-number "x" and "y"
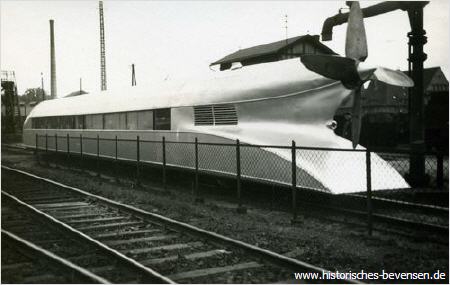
{"x": 265, "y": 104}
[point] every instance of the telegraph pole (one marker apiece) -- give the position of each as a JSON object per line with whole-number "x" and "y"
{"x": 102, "y": 48}
{"x": 133, "y": 76}
{"x": 42, "y": 87}
{"x": 52, "y": 62}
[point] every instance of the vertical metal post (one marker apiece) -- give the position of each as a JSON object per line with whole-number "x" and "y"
{"x": 240, "y": 208}
{"x": 98, "y": 155}
{"x": 68, "y": 149}
{"x": 164, "y": 162}
{"x": 417, "y": 40}
{"x": 138, "y": 158}
{"x": 196, "y": 169}
{"x": 369, "y": 193}
{"x": 115, "y": 160}
{"x": 440, "y": 170}
{"x": 46, "y": 148}
{"x": 37, "y": 149}
{"x": 81, "y": 151}
{"x": 294, "y": 182}
{"x": 56, "y": 143}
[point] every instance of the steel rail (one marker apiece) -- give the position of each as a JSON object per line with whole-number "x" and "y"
{"x": 412, "y": 205}
{"x": 149, "y": 273}
{"x": 440, "y": 229}
{"x": 270, "y": 256}
{"x": 24, "y": 245}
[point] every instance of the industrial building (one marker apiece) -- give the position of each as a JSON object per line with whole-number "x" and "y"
{"x": 385, "y": 112}
{"x": 284, "y": 49}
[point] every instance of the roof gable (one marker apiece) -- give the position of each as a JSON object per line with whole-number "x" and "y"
{"x": 270, "y": 48}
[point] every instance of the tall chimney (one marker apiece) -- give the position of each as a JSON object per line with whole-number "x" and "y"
{"x": 52, "y": 62}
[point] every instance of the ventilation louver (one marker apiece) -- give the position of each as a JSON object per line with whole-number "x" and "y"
{"x": 211, "y": 115}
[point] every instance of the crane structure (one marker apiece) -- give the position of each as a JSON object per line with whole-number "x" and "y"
{"x": 416, "y": 58}
{"x": 11, "y": 118}
{"x": 102, "y": 48}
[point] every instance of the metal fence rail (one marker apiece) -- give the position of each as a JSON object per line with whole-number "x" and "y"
{"x": 273, "y": 165}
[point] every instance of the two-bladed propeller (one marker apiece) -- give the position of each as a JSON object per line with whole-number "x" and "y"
{"x": 347, "y": 69}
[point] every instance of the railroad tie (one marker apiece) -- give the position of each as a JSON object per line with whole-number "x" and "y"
{"x": 214, "y": 270}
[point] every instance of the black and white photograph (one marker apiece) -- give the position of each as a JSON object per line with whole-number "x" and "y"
{"x": 224, "y": 142}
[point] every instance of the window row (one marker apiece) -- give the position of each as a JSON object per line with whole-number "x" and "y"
{"x": 141, "y": 120}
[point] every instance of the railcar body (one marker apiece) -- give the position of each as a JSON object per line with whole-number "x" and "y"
{"x": 266, "y": 104}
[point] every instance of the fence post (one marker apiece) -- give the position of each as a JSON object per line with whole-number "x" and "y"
{"x": 98, "y": 155}
{"x": 56, "y": 143}
{"x": 240, "y": 208}
{"x": 369, "y": 192}
{"x": 164, "y": 162}
{"x": 440, "y": 170}
{"x": 68, "y": 150}
{"x": 115, "y": 160}
{"x": 197, "y": 199}
{"x": 46, "y": 148}
{"x": 81, "y": 151}
{"x": 294, "y": 182}
{"x": 37, "y": 149}
{"x": 138, "y": 158}
{"x": 68, "y": 147}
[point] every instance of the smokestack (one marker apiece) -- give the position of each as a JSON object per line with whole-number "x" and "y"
{"x": 52, "y": 62}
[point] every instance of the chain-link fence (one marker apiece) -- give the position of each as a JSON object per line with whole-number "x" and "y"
{"x": 305, "y": 171}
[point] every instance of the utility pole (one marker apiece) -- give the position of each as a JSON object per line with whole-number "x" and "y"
{"x": 52, "y": 62}
{"x": 102, "y": 48}
{"x": 80, "y": 86}
{"x": 133, "y": 76}
{"x": 42, "y": 87}
{"x": 286, "y": 26}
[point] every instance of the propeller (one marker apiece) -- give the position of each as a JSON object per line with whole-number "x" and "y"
{"x": 346, "y": 69}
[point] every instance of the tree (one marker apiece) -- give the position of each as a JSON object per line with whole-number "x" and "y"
{"x": 34, "y": 94}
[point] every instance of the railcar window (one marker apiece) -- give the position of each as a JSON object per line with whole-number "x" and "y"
{"x": 142, "y": 120}
{"x": 162, "y": 119}
{"x": 111, "y": 121}
{"x": 94, "y": 122}
{"x": 132, "y": 121}
{"x": 79, "y": 122}
{"x": 122, "y": 121}
{"x": 145, "y": 120}
{"x": 53, "y": 122}
{"x": 115, "y": 121}
{"x": 66, "y": 122}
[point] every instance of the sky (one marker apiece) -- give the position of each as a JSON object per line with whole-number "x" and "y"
{"x": 172, "y": 40}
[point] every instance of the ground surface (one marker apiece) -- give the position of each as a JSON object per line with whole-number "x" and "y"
{"x": 316, "y": 239}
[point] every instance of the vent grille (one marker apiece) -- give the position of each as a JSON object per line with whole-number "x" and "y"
{"x": 203, "y": 115}
{"x": 210, "y": 115}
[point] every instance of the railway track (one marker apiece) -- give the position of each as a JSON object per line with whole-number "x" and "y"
{"x": 25, "y": 262}
{"x": 154, "y": 247}
{"x": 388, "y": 214}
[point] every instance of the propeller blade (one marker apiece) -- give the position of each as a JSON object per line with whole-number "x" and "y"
{"x": 356, "y": 41}
{"x": 392, "y": 77}
{"x": 356, "y": 117}
{"x": 332, "y": 66}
